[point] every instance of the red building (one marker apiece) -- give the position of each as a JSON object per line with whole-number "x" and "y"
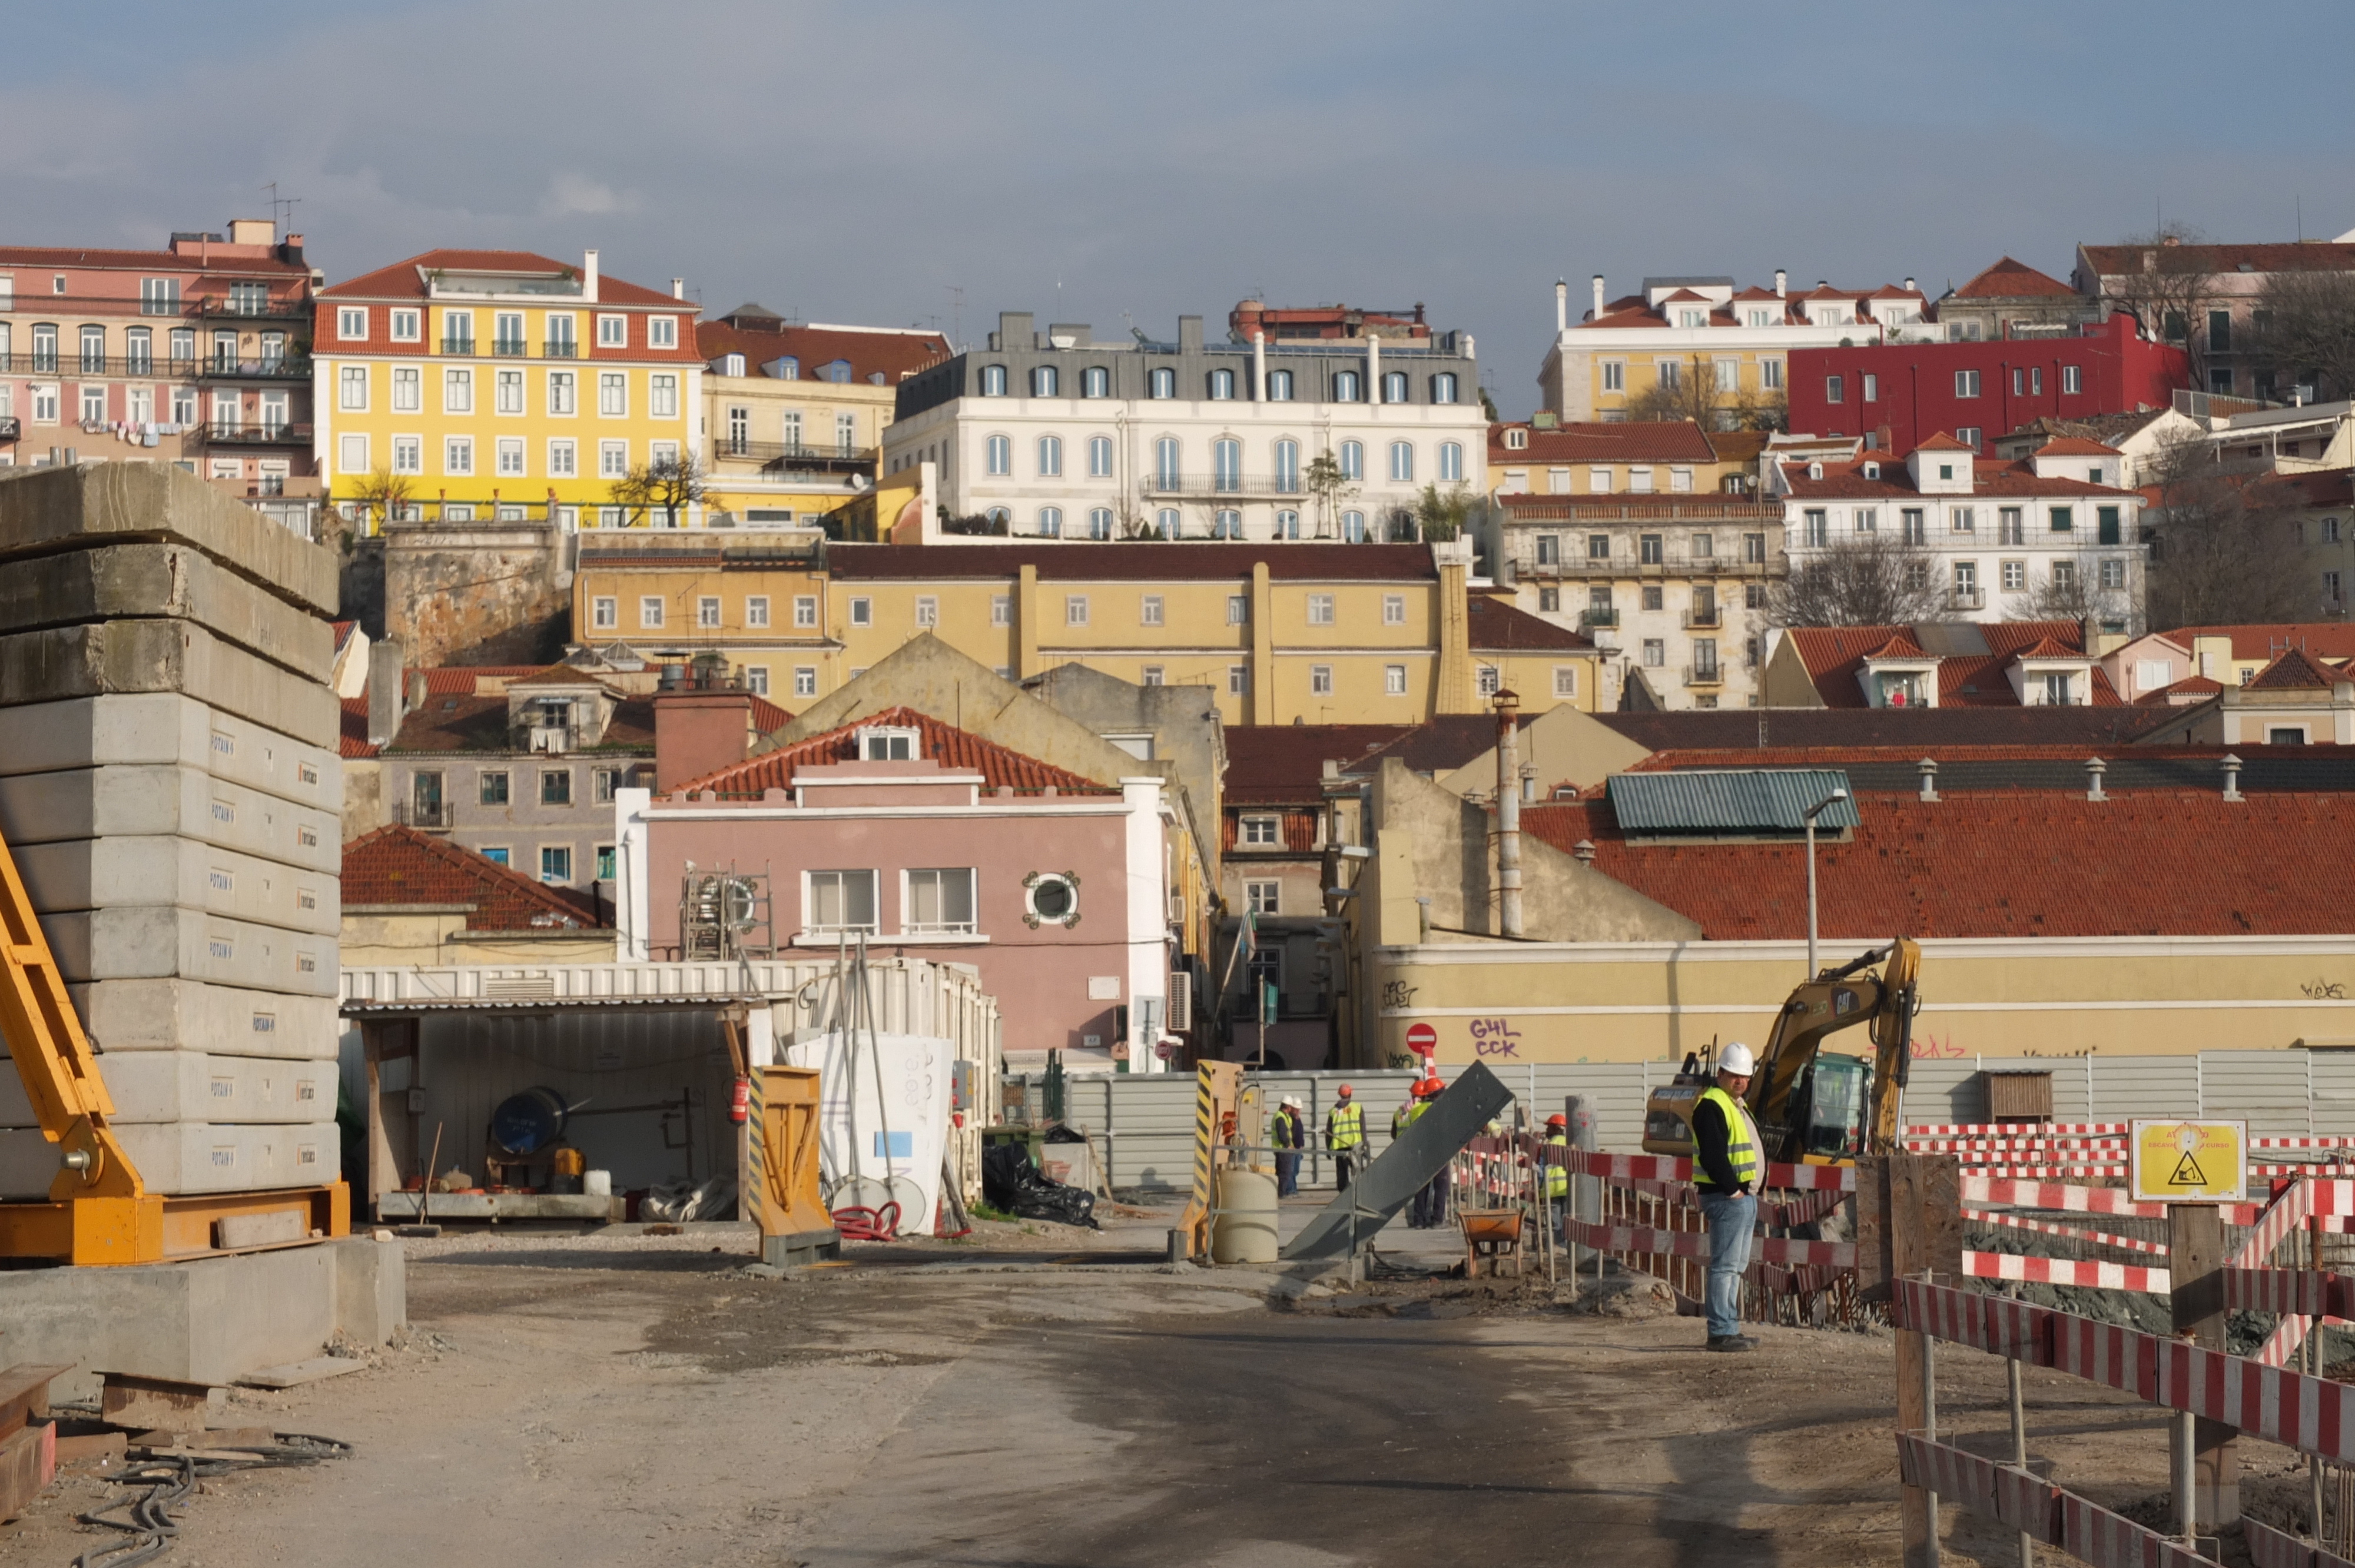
{"x": 1901, "y": 394}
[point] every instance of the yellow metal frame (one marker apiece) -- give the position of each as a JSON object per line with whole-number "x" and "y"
{"x": 99, "y": 1210}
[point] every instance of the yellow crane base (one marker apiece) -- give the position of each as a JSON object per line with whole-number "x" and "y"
{"x": 151, "y": 1228}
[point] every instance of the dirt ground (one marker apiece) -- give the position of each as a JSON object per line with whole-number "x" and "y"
{"x": 1038, "y": 1395}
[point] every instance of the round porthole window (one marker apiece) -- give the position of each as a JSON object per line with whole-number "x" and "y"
{"x": 1051, "y": 898}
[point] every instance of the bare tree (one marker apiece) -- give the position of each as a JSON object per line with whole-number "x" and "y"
{"x": 1329, "y": 487}
{"x": 1871, "y": 579}
{"x": 1689, "y": 391}
{"x": 2170, "y": 291}
{"x": 2071, "y": 590}
{"x": 668, "y": 485}
{"x": 2305, "y": 330}
{"x": 383, "y": 494}
{"x": 2224, "y": 544}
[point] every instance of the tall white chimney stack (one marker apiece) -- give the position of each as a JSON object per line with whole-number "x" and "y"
{"x": 1598, "y": 298}
{"x": 1781, "y": 283}
{"x": 1562, "y": 304}
{"x": 589, "y": 276}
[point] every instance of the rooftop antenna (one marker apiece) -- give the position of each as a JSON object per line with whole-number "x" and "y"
{"x": 2300, "y": 199}
{"x": 956, "y": 315}
{"x": 277, "y": 226}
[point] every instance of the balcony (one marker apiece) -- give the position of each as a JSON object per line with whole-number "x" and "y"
{"x": 1664, "y": 569}
{"x": 436, "y": 815}
{"x": 1710, "y": 676}
{"x": 463, "y": 348}
{"x": 242, "y": 310}
{"x": 1238, "y": 485}
{"x": 566, "y": 349}
{"x": 1965, "y": 598}
{"x": 264, "y": 433}
{"x": 510, "y": 348}
{"x": 793, "y": 457}
{"x": 219, "y": 367}
{"x": 1591, "y": 619}
{"x": 1698, "y": 620}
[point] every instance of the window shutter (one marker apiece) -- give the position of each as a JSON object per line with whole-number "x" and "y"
{"x": 1181, "y": 1000}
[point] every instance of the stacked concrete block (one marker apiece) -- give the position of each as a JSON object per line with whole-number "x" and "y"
{"x": 170, "y": 788}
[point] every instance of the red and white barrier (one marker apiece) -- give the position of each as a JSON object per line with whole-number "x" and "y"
{"x": 2270, "y": 1548}
{"x": 1695, "y": 1243}
{"x": 2016, "y": 1129}
{"x": 2064, "y": 1271}
{"x": 1624, "y": 1169}
{"x": 2074, "y": 1232}
{"x": 2023, "y": 1501}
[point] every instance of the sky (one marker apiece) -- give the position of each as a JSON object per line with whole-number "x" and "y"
{"x": 901, "y": 162}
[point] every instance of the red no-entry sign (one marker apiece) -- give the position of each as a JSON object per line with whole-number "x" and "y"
{"x": 1421, "y": 1039}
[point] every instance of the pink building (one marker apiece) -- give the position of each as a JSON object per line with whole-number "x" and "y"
{"x": 934, "y": 843}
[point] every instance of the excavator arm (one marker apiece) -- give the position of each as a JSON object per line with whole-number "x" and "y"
{"x": 1822, "y": 1006}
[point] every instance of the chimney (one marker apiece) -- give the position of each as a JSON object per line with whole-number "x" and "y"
{"x": 1374, "y": 367}
{"x": 1560, "y": 305}
{"x": 1598, "y": 299}
{"x": 384, "y": 704}
{"x": 589, "y": 276}
{"x": 679, "y": 288}
{"x": 699, "y": 732}
{"x": 2095, "y": 768}
{"x": 1584, "y": 851}
{"x": 1189, "y": 334}
{"x": 413, "y": 692}
{"x": 2231, "y": 777}
{"x": 1910, "y": 288}
{"x": 1509, "y": 813}
{"x": 1781, "y": 283}
{"x": 1928, "y": 768}
{"x": 1259, "y": 365}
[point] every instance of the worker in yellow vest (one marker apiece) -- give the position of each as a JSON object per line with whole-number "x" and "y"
{"x": 1289, "y": 1135}
{"x": 1345, "y": 1135}
{"x": 1557, "y": 1171}
{"x": 1429, "y": 1209}
{"x": 1726, "y": 1174}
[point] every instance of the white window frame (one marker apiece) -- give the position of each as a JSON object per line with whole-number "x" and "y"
{"x": 706, "y": 612}
{"x": 661, "y": 394}
{"x": 408, "y": 390}
{"x": 605, "y": 613}
{"x": 1260, "y": 831}
{"x": 1075, "y": 609}
{"x": 1320, "y": 609}
{"x": 756, "y": 612}
{"x": 352, "y": 388}
{"x": 915, "y": 879}
{"x": 564, "y": 395}
{"x": 613, "y": 459}
{"x": 662, "y": 332}
{"x": 510, "y": 456}
{"x": 928, "y": 610}
{"x": 806, "y": 611}
{"x": 1393, "y": 680}
{"x": 613, "y": 331}
{"x": 862, "y": 611}
{"x": 457, "y": 389}
{"x": 351, "y": 450}
{"x": 351, "y": 323}
{"x": 408, "y": 454}
{"x": 651, "y": 611}
{"x": 612, "y": 394}
{"x": 1264, "y": 895}
{"x": 1150, "y": 610}
{"x": 563, "y": 458}
{"x": 1320, "y": 680}
{"x": 804, "y": 680}
{"x": 841, "y": 881}
{"x": 458, "y": 456}
{"x": 1565, "y": 682}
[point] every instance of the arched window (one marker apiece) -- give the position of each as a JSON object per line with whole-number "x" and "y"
{"x": 993, "y": 381}
{"x": 1165, "y": 382}
{"x": 1443, "y": 386}
{"x": 1044, "y": 380}
{"x": 1000, "y": 519}
{"x": 1099, "y": 457}
{"x": 1050, "y": 521}
{"x": 1287, "y": 467}
{"x": 1096, "y": 381}
{"x": 1050, "y": 457}
{"x": 1222, "y": 385}
{"x": 1166, "y": 520}
{"x": 1353, "y": 459}
{"x": 1393, "y": 385}
{"x": 1164, "y": 463}
{"x": 1227, "y": 463}
{"x": 1001, "y": 455}
{"x": 1347, "y": 386}
{"x": 1279, "y": 386}
{"x": 1353, "y": 528}
{"x": 1402, "y": 462}
{"x": 1288, "y": 524}
{"x": 1228, "y": 526}
{"x": 1450, "y": 462}
{"x": 839, "y": 371}
{"x": 1099, "y": 522}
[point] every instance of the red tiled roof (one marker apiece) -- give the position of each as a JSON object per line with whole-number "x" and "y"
{"x": 2174, "y": 696}
{"x": 2002, "y": 863}
{"x": 1989, "y": 477}
{"x": 1277, "y": 764}
{"x": 2045, "y": 647}
{"x": 952, "y": 748}
{"x": 2011, "y": 279}
{"x": 558, "y": 674}
{"x": 400, "y": 865}
{"x": 142, "y": 260}
{"x": 1681, "y": 296}
{"x": 1840, "y": 725}
{"x": 1834, "y": 655}
{"x": 405, "y": 280}
{"x": 1901, "y": 646}
{"x": 1670, "y": 441}
{"x": 2295, "y": 670}
{"x": 895, "y": 355}
{"x": 460, "y": 680}
{"x": 1738, "y": 446}
{"x": 1499, "y": 628}
{"x": 2074, "y": 445}
{"x": 354, "y": 739}
{"x": 1134, "y": 562}
{"x": 2328, "y": 639}
{"x": 465, "y": 722}
{"x": 1710, "y": 506}
{"x": 2305, "y": 256}
{"x": 1940, "y": 441}
{"x": 768, "y": 718}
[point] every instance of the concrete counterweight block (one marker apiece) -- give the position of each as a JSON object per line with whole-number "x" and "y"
{"x": 196, "y": 1085}
{"x": 183, "y": 802}
{"x": 45, "y": 510}
{"x": 114, "y": 874}
{"x": 123, "y": 656}
{"x": 168, "y": 729}
{"x": 125, "y": 1016}
{"x": 134, "y": 582}
{"x": 179, "y": 1157}
{"x": 160, "y": 941}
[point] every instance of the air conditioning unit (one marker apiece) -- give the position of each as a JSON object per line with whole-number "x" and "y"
{"x": 1181, "y": 1001}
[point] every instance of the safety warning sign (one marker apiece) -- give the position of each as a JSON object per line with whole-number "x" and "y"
{"x": 2190, "y": 1162}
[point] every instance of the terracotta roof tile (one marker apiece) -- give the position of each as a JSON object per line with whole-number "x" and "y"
{"x": 400, "y": 865}
{"x": 1275, "y": 764}
{"x": 354, "y": 739}
{"x": 2327, "y": 638}
{"x": 2002, "y": 863}
{"x": 1745, "y": 728}
{"x": 1901, "y": 646}
{"x": 2293, "y": 670}
{"x": 1834, "y": 656}
{"x": 2075, "y": 446}
{"x": 2011, "y": 279}
{"x": 2308, "y": 256}
{"x": 1990, "y": 478}
{"x": 894, "y": 356}
{"x": 2191, "y": 686}
{"x": 2045, "y": 647}
{"x": 952, "y": 748}
{"x": 1670, "y": 441}
{"x": 1134, "y": 562}
{"x": 404, "y": 279}
{"x": 1499, "y": 628}
{"x": 1940, "y": 441}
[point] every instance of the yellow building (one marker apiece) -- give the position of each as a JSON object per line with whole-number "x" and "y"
{"x": 465, "y": 385}
{"x": 793, "y": 415}
{"x": 1281, "y": 633}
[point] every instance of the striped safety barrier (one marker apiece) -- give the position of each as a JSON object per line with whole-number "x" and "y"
{"x": 1978, "y": 1191}
{"x": 2042, "y": 1173}
{"x": 2074, "y": 1232}
{"x": 2023, "y": 1501}
{"x": 2012, "y": 1128}
{"x": 1695, "y": 1243}
{"x": 1622, "y": 1168}
{"x": 2271, "y": 1547}
{"x": 2087, "y": 1145}
{"x": 2064, "y": 1271}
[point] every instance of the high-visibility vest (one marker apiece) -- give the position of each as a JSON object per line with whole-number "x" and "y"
{"x": 1286, "y": 1128}
{"x": 1740, "y": 1140}
{"x": 1346, "y": 1126}
{"x": 1415, "y": 1112}
{"x": 1558, "y": 1176}
{"x": 1400, "y": 1117}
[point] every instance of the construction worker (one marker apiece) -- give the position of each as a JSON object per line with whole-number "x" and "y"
{"x": 1726, "y": 1174}
{"x": 1345, "y": 1135}
{"x": 1429, "y": 1206}
{"x": 1557, "y": 1175}
{"x": 1288, "y": 1134}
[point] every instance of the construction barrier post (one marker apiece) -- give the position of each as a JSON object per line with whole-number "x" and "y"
{"x": 2195, "y": 1263}
{"x": 1909, "y": 1224}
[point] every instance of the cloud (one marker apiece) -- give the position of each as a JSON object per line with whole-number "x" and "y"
{"x": 569, "y": 192}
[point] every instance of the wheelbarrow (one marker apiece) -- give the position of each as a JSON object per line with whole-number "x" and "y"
{"x": 1493, "y": 1234}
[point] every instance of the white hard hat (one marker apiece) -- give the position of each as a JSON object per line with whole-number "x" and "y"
{"x": 1292, "y": 1100}
{"x": 1736, "y": 1059}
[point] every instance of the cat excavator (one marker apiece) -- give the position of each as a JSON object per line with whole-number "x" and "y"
{"x": 1813, "y": 1106}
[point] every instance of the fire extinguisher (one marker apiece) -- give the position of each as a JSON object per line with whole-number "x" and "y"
{"x": 740, "y": 1103}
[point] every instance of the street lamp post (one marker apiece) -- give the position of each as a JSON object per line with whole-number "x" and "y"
{"x": 1817, "y": 810}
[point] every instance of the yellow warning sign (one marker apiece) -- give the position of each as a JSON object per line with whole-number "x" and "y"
{"x": 2190, "y": 1162}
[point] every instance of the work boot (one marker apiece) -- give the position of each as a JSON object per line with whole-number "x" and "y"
{"x": 1731, "y": 1342}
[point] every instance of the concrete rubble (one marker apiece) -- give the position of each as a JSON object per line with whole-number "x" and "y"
{"x": 170, "y": 784}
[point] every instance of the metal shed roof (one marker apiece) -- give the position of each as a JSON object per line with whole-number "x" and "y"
{"x": 1729, "y": 801}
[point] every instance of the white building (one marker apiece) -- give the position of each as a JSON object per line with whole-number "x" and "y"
{"x": 1054, "y": 436}
{"x": 2001, "y": 541}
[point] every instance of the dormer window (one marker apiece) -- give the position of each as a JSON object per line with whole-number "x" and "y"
{"x": 1692, "y": 318}
{"x": 1815, "y": 471}
{"x": 1516, "y": 440}
{"x": 2094, "y": 475}
{"x": 1872, "y": 471}
{"x": 881, "y": 744}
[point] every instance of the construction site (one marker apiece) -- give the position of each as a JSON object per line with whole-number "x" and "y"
{"x": 486, "y": 1262}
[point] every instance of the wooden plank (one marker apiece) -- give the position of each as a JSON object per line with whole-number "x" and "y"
{"x": 2196, "y": 1258}
{"x": 140, "y": 1403}
{"x": 29, "y": 1462}
{"x": 1900, "y": 1199}
{"x": 295, "y": 1374}
{"x": 25, "y": 1394}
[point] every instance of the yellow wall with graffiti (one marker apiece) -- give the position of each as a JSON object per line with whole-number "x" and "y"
{"x": 1549, "y": 1002}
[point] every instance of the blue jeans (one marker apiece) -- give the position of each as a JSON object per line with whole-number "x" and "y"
{"x": 1730, "y": 1221}
{"x": 1288, "y": 1175}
